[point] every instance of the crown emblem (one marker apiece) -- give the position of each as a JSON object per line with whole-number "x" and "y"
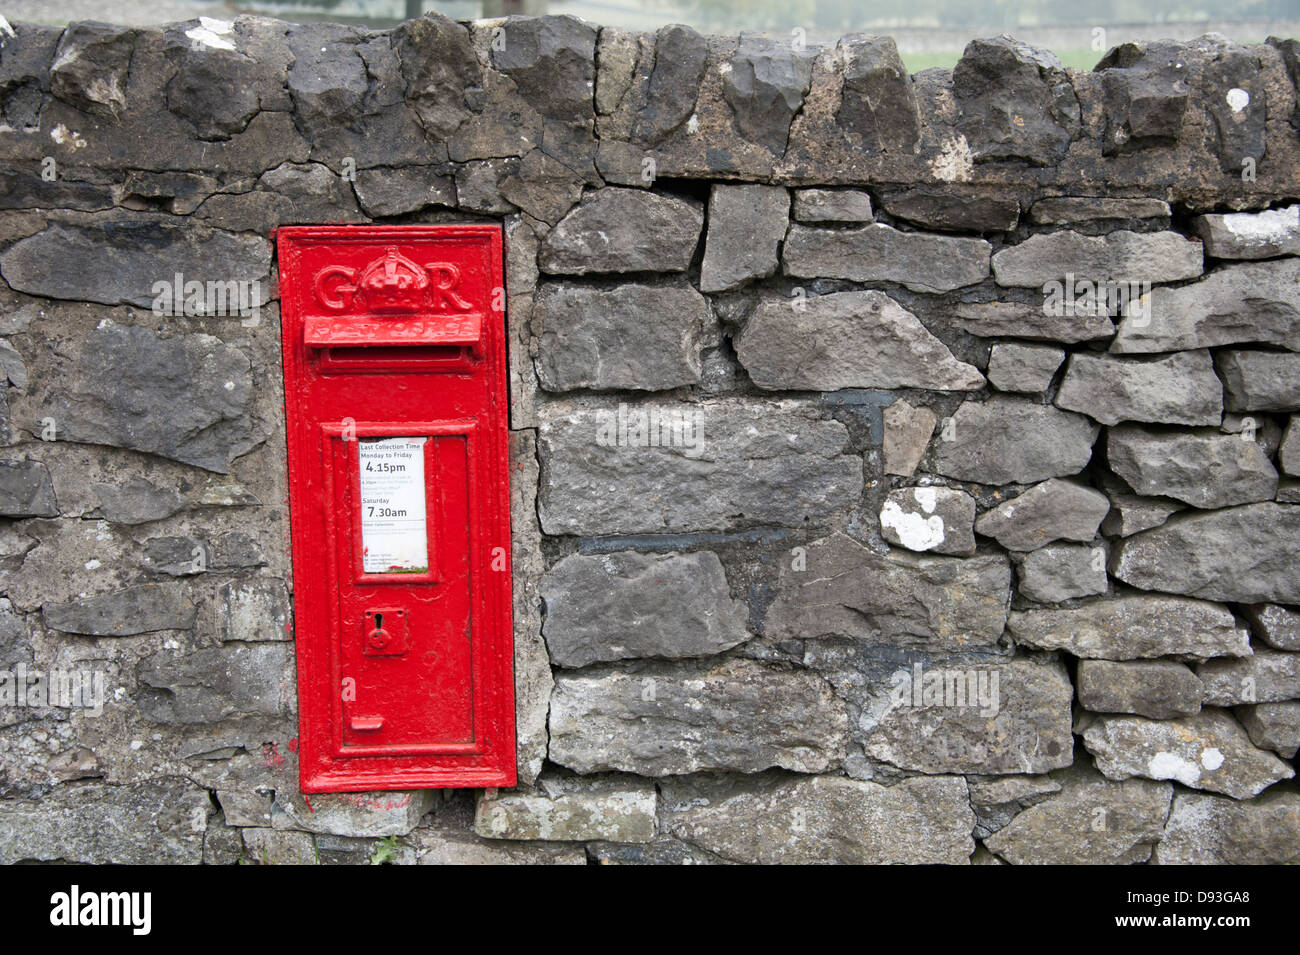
{"x": 391, "y": 283}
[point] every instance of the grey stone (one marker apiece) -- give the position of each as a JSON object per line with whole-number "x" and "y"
{"x": 533, "y": 683}
{"x": 624, "y": 605}
{"x": 1064, "y": 210}
{"x": 216, "y": 683}
{"x": 327, "y": 78}
{"x": 1267, "y": 676}
{"x": 140, "y": 609}
{"x": 1063, "y": 572}
{"x": 826, "y": 819}
{"x": 1026, "y": 368}
{"x": 12, "y": 365}
{"x": 90, "y": 67}
{"x": 1067, "y": 324}
{"x": 1129, "y": 513}
{"x": 1052, "y": 510}
{"x": 1246, "y": 554}
{"x": 645, "y": 337}
{"x": 398, "y": 190}
{"x": 1005, "y": 440}
{"x": 553, "y": 61}
{"x": 1118, "y": 256}
{"x": 942, "y": 207}
{"x": 621, "y": 230}
{"x": 176, "y": 556}
{"x": 1021, "y": 725}
{"x": 1208, "y": 751}
{"x": 1279, "y": 627}
{"x": 1211, "y": 830}
{"x": 26, "y": 490}
{"x": 1288, "y": 452}
{"x": 680, "y": 59}
{"x": 765, "y": 87}
{"x": 938, "y": 519}
{"x": 987, "y": 791}
{"x": 735, "y": 461}
{"x": 832, "y": 205}
{"x": 907, "y": 432}
{"x": 1250, "y": 235}
{"x": 1133, "y": 627}
{"x": 376, "y": 814}
{"x": 877, "y": 104}
{"x": 1179, "y": 389}
{"x": 137, "y": 501}
{"x": 746, "y": 226}
{"x": 1255, "y": 302}
{"x": 1091, "y": 821}
{"x": 1274, "y": 726}
{"x": 842, "y": 589}
{"x": 158, "y": 822}
{"x": 847, "y": 340}
{"x": 278, "y": 847}
{"x": 245, "y": 808}
{"x": 1203, "y": 470}
{"x": 447, "y": 845}
{"x": 478, "y": 186}
{"x": 1260, "y": 380}
{"x": 121, "y": 259}
{"x": 661, "y": 719}
{"x": 571, "y": 810}
{"x": 545, "y": 188}
{"x": 254, "y": 610}
{"x": 1014, "y": 102}
{"x": 881, "y": 253}
{"x": 186, "y": 398}
{"x": 1159, "y": 689}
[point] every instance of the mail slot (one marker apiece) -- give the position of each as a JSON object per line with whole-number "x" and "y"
{"x": 396, "y": 408}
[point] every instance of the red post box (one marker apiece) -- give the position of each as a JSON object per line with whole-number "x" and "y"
{"x": 396, "y": 404}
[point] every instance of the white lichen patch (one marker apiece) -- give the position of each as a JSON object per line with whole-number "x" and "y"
{"x": 954, "y": 162}
{"x": 1173, "y": 766}
{"x": 1238, "y": 99}
{"x": 210, "y": 33}
{"x": 915, "y": 531}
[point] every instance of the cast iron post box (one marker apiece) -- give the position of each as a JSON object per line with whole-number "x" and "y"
{"x": 396, "y": 405}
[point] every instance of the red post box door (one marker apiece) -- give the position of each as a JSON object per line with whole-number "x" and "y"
{"x": 396, "y": 407}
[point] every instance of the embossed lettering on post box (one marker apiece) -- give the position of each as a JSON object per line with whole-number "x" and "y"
{"x": 396, "y": 407}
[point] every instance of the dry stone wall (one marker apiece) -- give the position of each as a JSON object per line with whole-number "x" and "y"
{"x": 905, "y": 468}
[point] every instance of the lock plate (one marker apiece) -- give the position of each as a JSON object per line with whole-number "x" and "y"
{"x": 383, "y": 632}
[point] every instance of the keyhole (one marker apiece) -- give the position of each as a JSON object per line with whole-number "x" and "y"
{"x": 379, "y": 621}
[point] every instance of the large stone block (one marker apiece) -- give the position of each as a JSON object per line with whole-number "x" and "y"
{"x": 621, "y": 230}
{"x": 1250, "y": 235}
{"x": 1211, "y": 830}
{"x": 355, "y": 814}
{"x": 826, "y": 819}
{"x": 1005, "y": 440}
{"x": 881, "y": 253}
{"x": 1266, "y": 676}
{"x": 1041, "y": 322}
{"x": 140, "y": 609}
{"x": 120, "y": 260}
{"x": 1246, "y": 554}
{"x": 1133, "y": 627}
{"x": 625, "y": 605}
{"x": 1203, "y": 470}
{"x": 1260, "y": 380}
{"x": 1256, "y": 302}
{"x": 661, "y": 719}
{"x": 26, "y": 490}
{"x": 1179, "y": 389}
{"x": 187, "y": 397}
{"x": 839, "y": 588}
{"x": 746, "y": 226}
{"x": 1053, "y": 510}
{"x": 994, "y": 717}
{"x": 1207, "y": 751}
{"x": 1158, "y": 689}
{"x": 567, "y": 809}
{"x": 644, "y": 337}
{"x": 159, "y": 822}
{"x": 216, "y": 683}
{"x": 1116, "y": 257}
{"x": 677, "y": 466}
{"x": 847, "y": 340}
{"x": 1279, "y": 627}
{"x": 1091, "y": 821}
{"x": 1274, "y": 726}
{"x": 938, "y": 519}
{"x": 1062, "y": 572}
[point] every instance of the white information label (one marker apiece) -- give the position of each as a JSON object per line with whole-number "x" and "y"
{"x": 394, "y": 536}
